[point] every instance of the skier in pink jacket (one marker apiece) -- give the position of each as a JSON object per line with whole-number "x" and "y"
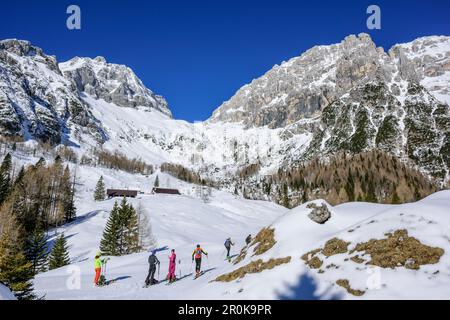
{"x": 172, "y": 261}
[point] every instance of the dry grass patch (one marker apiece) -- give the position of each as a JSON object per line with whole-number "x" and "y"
{"x": 399, "y": 249}
{"x": 335, "y": 246}
{"x": 265, "y": 240}
{"x": 253, "y": 267}
{"x": 311, "y": 260}
{"x": 241, "y": 255}
{"x": 357, "y": 259}
{"x": 344, "y": 283}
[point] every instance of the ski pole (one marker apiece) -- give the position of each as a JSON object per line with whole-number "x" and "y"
{"x": 158, "y": 272}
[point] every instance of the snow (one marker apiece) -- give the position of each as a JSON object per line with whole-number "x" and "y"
{"x": 5, "y": 293}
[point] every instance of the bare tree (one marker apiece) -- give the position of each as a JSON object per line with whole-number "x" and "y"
{"x": 147, "y": 240}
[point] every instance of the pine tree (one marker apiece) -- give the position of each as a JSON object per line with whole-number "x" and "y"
{"x": 285, "y": 196}
{"x": 15, "y": 270}
{"x": 99, "y": 193}
{"x": 5, "y": 178}
{"x": 350, "y": 187}
{"x": 156, "y": 184}
{"x": 20, "y": 176}
{"x": 36, "y": 250}
{"x": 59, "y": 256}
{"x": 110, "y": 239}
{"x": 131, "y": 232}
{"x": 70, "y": 211}
{"x": 121, "y": 234}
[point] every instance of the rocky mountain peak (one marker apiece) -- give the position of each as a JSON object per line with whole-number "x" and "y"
{"x": 113, "y": 83}
{"x": 303, "y": 86}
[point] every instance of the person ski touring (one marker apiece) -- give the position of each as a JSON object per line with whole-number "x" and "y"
{"x": 172, "y": 262}
{"x": 152, "y": 262}
{"x": 197, "y": 256}
{"x": 248, "y": 239}
{"x": 228, "y": 243}
{"x": 98, "y": 263}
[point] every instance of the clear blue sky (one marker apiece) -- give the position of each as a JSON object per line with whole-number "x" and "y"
{"x": 197, "y": 53}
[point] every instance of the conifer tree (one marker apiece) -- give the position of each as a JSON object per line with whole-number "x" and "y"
{"x": 15, "y": 270}
{"x": 5, "y": 178}
{"x": 59, "y": 256}
{"x": 110, "y": 239}
{"x": 147, "y": 240}
{"x": 121, "y": 234}
{"x": 99, "y": 193}
{"x": 36, "y": 250}
{"x": 285, "y": 196}
{"x": 131, "y": 232}
{"x": 156, "y": 184}
{"x": 68, "y": 196}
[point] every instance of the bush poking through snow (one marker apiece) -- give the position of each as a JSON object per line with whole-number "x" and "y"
{"x": 311, "y": 260}
{"x": 399, "y": 249}
{"x": 344, "y": 283}
{"x": 265, "y": 240}
{"x": 253, "y": 267}
{"x": 241, "y": 255}
{"x": 319, "y": 214}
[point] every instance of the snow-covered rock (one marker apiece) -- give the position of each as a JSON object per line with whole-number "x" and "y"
{"x": 319, "y": 211}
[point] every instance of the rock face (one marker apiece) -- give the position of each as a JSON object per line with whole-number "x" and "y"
{"x": 113, "y": 83}
{"x": 319, "y": 213}
{"x": 304, "y": 86}
{"x": 38, "y": 101}
{"x": 35, "y": 99}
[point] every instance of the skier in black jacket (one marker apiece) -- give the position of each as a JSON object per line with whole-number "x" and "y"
{"x": 248, "y": 239}
{"x": 152, "y": 261}
{"x": 228, "y": 243}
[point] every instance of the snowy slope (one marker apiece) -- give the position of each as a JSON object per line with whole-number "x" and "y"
{"x": 180, "y": 222}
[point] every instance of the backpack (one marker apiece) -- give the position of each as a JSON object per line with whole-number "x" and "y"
{"x": 152, "y": 260}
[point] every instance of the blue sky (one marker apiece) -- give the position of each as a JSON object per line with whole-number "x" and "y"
{"x": 198, "y": 53}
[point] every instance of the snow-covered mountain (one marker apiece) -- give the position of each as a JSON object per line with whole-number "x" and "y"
{"x": 303, "y": 86}
{"x": 113, "y": 83}
{"x": 39, "y": 102}
{"x": 350, "y": 96}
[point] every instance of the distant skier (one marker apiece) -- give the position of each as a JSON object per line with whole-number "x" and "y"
{"x": 248, "y": 239}
{"x": 98, "y": 263}
{"x": 172, "y": 262}
{"x": 197, "y": 255}
{"x": 228, "y": 243}
{"x": 152, "y": 262}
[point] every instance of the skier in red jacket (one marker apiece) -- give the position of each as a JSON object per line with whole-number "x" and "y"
{"x": 172, "y": 261}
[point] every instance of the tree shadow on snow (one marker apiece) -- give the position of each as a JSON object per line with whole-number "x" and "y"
{"x": 83, "y": 218}
{"x": 305, "y": 289}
